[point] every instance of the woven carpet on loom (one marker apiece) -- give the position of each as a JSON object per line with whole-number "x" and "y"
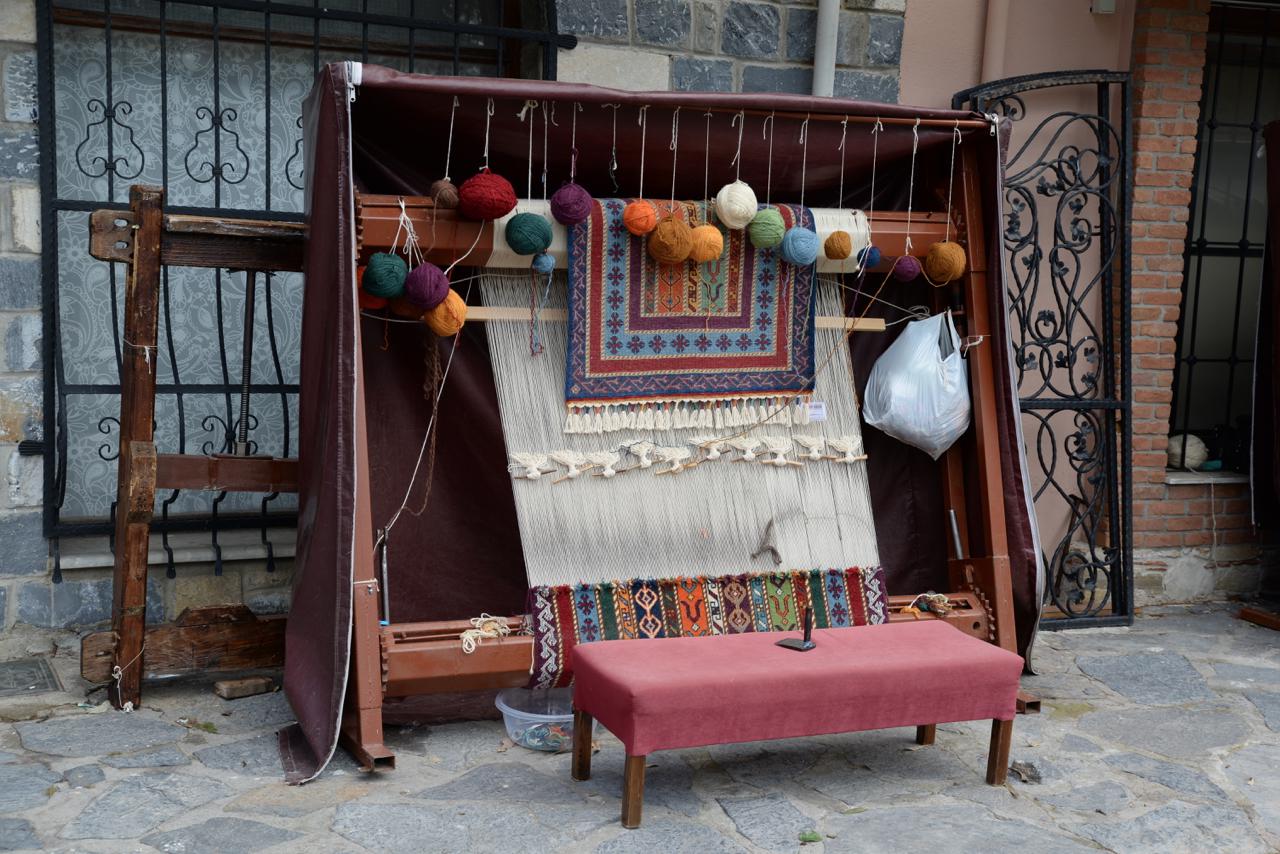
{"x": 641, "y": 331}
{"x": 568, "y": 615}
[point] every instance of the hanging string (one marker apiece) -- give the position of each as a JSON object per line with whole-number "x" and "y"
{"x": 448, "y": 151}
{"x": 644, "y": 130}
{"x": 768, "y": 181}
{"x": 911, "y": 182}
{"x": 951, "y": 174}
{"x": 675, "y": 142}
{"x": 876, "y": 130}
{"x": 804, "y": 154}
{"x": 546, "y": 126}
{"x": 740, "y": 122}
{"x": 706, "y": 167}
{"x": 613, "y": 152}
{"x": 404, "y": 226}
{"x": 844, "y": 128}
{"x": 573, "y": 142}
{"x": 526, "y": 112}
{"x": 488, "y": 114}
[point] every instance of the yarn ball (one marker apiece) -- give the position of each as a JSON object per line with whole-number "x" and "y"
{"x": 486, "y": 196}
{"x": 447, "y": 318}
{"x": 766, "y": 229}
{"x": 736, "y": 205}
{"x": 707, "y": 244}
{"x": 403, "y": 308}
{"x": 800, "y": 247}
{"x": 528, "y": 233}
{"x": 543, "y": 263}
{"x": 945, "y": 262}
{"x": 672, "y": 241}
{"x": 640, "y": 217}
{"x": 370, "y": 303}
{"x": 1187, "y": 451}
{"x": 426, "y": 285}
{"x": 444, "y": 194}
{"x": 838, "y": 245}
{"x": 869, "y": 257}
{"x": 384, "y": 275}
{"x": 571, "y": 204}
{"x": 906, "y": 268}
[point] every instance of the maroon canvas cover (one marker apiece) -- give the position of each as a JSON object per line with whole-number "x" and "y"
{"x": 462, "y": 556}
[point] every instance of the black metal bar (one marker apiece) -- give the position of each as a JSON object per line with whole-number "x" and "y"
{"x": 246, "y": 363}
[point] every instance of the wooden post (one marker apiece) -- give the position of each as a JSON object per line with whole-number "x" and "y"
{"x": 926, "y": 734}
{"x": 998, "y": 753}
{"x": 136, "y": 467}
{"x": 581, "y": 767}
{"x": 632, "y": 791}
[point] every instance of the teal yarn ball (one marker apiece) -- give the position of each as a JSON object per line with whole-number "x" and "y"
{"x": 528, "y": 234}
{"x": 869, "y": 257}
{"x": 384, "y": 276}
{"x": 544, "y": 263}
{"x": 767, "y": 229}
{"x": 800, "y": 246}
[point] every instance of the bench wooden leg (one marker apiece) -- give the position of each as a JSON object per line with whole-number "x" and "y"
{"x": 998, "y": 755}
{"x": 925, "y": 734}
{"x": 632, "y": 791}
{"x": 580, "y": 769}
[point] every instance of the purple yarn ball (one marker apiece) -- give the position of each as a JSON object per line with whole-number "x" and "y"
{"x": 426, "y": 286}
{"x": 571, "y": 204}
{"x": 906, "y": 268}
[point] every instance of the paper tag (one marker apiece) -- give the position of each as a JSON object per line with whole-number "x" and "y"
{"x": 817, "y": 410}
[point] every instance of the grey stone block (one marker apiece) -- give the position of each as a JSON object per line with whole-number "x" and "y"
{"x": 35, "y": 604}
{"x": 253, "y": 757}
{"x": 19, "y": 154}
{"x": 20, "y": 87}
{"x": 771, "y": 822}
{"x": 25, "y": 550}
{"x": 476, "y": 826}
{"x": 940, "y": 828}
{"x": 4, "y": 607}
{"x": 851, "y": 40}
{"x": 81, "y": 603}
{"x": 706, "y": 27}
{"x": 750, "y": 30}
{"x": 220, "y": 835}
{"x": 83, "y": 776}
{"x": 269, "y": 602}
{"x": 137, "y": 805}
{"x": 97, "y": 734}
{"x": 19, "y": 278}
{"x": 1168, "y": 731}
{"x": 1180, "y": 778}
{"x": 877, "y": 86}
{"x": 1253, "y": 773}
{"x": 600, "y": 19}
{"x": 162, "y": 757}
{"x": 1247, "y": 673}
{"x": 663, "y": 22}
{"x": 17, "y": 834}
{"x": 24, "y": 786}
{"x": 1179, "y": 826}
{"x": 884, "y": 40}
{"x": 22, "y": 343}
{"x": 505, "y": 782}
{"x": 1148, "y": 678}
{"x": 1106, "y": 798}
{"x": 1269, "y": 705}
{"x": 775, "y": 78}
{"x": 694, "y": 74}
{"x": 671, "y": 835}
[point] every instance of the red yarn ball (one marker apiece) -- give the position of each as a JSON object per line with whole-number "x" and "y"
{"x": 486, "y": 196}
{"x": 426, "y": 285}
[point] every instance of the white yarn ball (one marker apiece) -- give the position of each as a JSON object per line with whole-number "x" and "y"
{"x": 736, "y": 204}
{"x": 1187, "y": 449}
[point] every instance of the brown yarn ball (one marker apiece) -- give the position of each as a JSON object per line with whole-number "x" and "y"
{"x": 444, "y": 194}
{"x": 838, "y": 245}
{"x": 945, "y": 262}
{"x": 403, "y": 308}
{"x": 671, "y": 241}
{"x": 447, "y": 318}
{"x": 706, "y": 244}
{"x": 640, "y": 217}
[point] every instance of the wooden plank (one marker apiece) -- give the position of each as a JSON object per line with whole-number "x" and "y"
{"x": 439, "y": 665}
{"x": 222, "y": 472}
{"x": 234, "y": 689}
{"x": 202, "y": 640}
{"x": 485, "y": 314}
{"x": 1260, "y": 617}
{"x": 203, "y": 241}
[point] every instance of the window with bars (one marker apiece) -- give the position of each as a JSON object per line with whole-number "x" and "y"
{"x": 204, "y": 99}
{"x": 1218, "y": 323}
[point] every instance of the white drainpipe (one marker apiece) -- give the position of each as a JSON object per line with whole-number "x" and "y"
{"x": 826, "y": 32}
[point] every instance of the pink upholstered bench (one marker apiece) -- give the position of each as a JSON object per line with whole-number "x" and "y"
{"x": 669, "y": 693}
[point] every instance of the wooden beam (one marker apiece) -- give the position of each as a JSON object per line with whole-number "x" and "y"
{"x": 484, "y": 314}
{"x": 437, "y": 665}
{"x": 203, "y": 241}
{"x": 219, "y": 472}
{"x": 1260, "y": 617}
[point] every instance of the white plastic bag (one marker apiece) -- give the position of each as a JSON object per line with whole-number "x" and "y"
{"x": 918, "y": 391}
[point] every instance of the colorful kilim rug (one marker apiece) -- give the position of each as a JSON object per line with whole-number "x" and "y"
{"x": 566, "y": 616}
{"x": 734, "y": 332}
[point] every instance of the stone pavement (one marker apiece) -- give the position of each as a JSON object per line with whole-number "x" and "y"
{"x": 1163, "y": 737}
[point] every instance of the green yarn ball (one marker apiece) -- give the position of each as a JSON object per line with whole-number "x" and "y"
{"x": 385, "y": 275}
{"x": 528, "y": 234}
{"x": 766, "y": 230}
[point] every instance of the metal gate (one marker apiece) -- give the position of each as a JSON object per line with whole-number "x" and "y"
{"x": 1067, "y": 189}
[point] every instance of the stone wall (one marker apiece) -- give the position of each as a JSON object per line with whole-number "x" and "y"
{"x": 729, "y": 45}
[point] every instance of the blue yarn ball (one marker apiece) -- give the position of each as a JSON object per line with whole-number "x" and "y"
{"x": 869, "y": 257}
{"x": 385, "y": 275}
{"x": 528, "y": 234}
{"x": 800, "y": 246}
{"x": 543, "y": 263}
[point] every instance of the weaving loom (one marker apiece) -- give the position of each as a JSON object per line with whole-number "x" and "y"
{"x": 393, "y": 566}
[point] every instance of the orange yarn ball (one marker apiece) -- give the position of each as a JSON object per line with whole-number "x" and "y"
{"x": 447, "y": 318}
{"x": 369, "y": 301}
{"x": 671, "y": 241}
{"x": 402, "y": 307}
{"x": 707, "y": 244}
{"x": 838, "y": 245}
{"x": 640, "y": 217}
{"x": 945, "y": 262}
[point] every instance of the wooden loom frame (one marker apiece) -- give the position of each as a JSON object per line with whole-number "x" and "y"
{"x": 406, "y": 659}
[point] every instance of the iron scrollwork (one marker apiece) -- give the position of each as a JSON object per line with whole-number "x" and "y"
{"x": 113, "y": 118}
{"x": 214, "y": 166}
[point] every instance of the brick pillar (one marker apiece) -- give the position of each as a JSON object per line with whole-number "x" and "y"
{"x": 1173, "y": 524}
